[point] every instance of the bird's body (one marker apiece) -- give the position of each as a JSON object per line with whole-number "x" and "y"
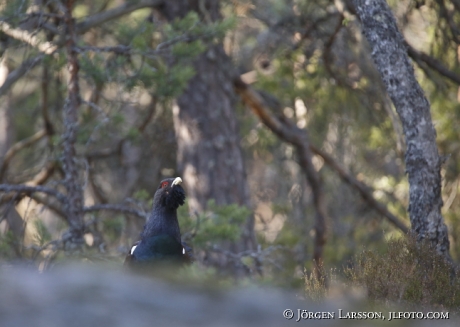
{"x": 161, "y": 239}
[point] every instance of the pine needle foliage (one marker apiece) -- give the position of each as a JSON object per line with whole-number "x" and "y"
{"x": 218, "y": 223}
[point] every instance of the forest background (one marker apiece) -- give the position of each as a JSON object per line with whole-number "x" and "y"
{"x": 272, "y": 112}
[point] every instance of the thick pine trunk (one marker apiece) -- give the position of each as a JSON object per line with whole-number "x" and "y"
{"x": 422, "y": 159}
{"x": 209, "y": 153}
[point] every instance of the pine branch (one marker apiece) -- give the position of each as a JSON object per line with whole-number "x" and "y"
{"x": 81, "y": 28}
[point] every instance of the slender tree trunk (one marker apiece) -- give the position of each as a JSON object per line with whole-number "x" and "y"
{"x": 6, "y": 124}
{"x": 74, "y": 208}
{"x": 422, "y": 159}
{"x": 14, "y": 220}
{"x": 209, "y": 154}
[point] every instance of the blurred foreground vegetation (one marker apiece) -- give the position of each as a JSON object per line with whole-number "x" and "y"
{"x": 309, "y": 58}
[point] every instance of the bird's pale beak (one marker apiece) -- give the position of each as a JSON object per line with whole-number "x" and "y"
{"x": 177, "y": 181}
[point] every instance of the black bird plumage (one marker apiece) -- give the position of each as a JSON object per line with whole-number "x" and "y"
{"x": 161, "y": 239}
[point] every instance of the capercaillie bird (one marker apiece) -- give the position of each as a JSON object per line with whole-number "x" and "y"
{"x": 160, "y": 240}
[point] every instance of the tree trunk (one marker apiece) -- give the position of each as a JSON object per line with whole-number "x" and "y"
{"x": 422, "y": 159}
{"x": 209, "y": 154}
{"x": 74, "y": 209}
{"x": 14, "y": 220}
{"x": 6, "y": 124}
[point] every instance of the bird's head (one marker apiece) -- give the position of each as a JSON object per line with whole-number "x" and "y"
{"x": 170, "y": 193}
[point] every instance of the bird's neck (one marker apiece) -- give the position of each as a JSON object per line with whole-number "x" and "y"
{"x": 162, "y": 221}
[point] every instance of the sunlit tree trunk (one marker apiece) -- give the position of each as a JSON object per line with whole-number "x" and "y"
{"x": 209, "y": 154}
{"x": 423, "y": 162}
{"x": 6, "y": 126}
{"x": 14, "y": 220}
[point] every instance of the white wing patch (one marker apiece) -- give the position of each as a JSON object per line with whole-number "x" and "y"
{"x": 183, "y": 250}
{"x": 132, "y": 249}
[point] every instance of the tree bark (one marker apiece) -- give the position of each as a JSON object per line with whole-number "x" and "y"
{"x": 422, "y": 159}
{"x": 209, "y": 154}
{"x": 74, "y": 207}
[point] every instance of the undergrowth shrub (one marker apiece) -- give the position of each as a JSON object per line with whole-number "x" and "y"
{"x": 408, "y": 272}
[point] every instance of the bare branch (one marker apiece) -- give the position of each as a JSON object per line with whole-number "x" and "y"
{"x": 114, "y": 13}
{"x": 19, "y": 72}
{"x": 433, "y": 63}
{"x": 8, "y": 188}
{"x": 25, "y": 36}
{"x": 256, "y": 102}
{"x": 43, "y": 175}
{"x": 289, "y": 132}
{"x": 364, "y": 190}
